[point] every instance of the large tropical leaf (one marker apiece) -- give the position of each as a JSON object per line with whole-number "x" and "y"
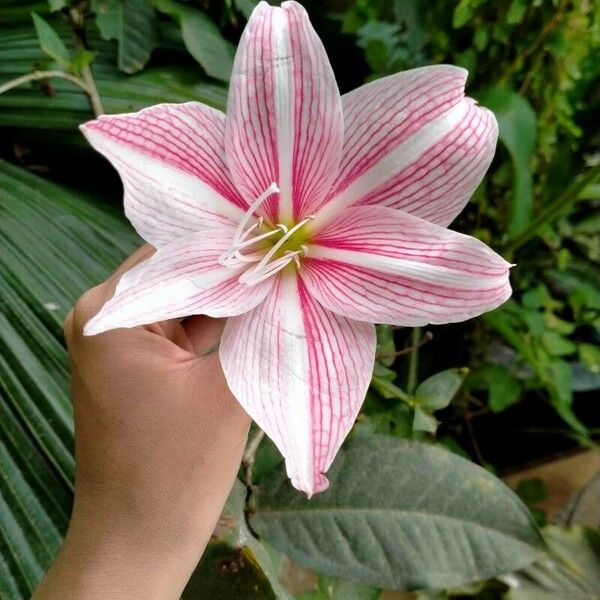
{"x": 399, "y": 514}
{"x": 60, "y": 105}
{"x": 53, "y": 246}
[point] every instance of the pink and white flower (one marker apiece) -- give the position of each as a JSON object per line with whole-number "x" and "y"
{"x": 304, "y": 217}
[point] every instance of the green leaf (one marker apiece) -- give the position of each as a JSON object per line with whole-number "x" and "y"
{"x": 516, "y": 12}
{"x": 82, "y": 59}
{"x": 57, "y": 4}
{"x": 572, "y": 571}
{"x": 532, "y": 491}
{"x": 132, "y": 24}
{"x": 50, "y": 42}
{"x": 235, "y": 564}
{"x": 423, "y": 421}
{"x": 590, "y": 356}
{"x": 246, "y": 6}
{"x": 556, "y": 344}
{"x": 437, "y": 391}
{"x": 78, "y": 242}
{"x": 399, "y": 514}
{"x": 202, "y": 38}
{"x": 28, "y": 107}
{"x": 386, "y": 347}
{"x": 386, "y": 388}
{"x": 504, "y": 388}
{"x": 517, "y": 131}
{"x": 462, "y": 13}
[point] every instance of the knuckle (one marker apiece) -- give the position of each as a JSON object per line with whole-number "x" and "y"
{"x": 84, "y": 309}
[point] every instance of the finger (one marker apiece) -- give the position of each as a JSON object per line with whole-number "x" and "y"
{"x": 203, "y": 333}
{"x": 173, "y": 330}
{"x": 93, "y": 300}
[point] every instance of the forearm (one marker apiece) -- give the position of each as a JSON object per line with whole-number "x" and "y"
{"x": 88, "y": 569}
{"x": 120, "y": 558}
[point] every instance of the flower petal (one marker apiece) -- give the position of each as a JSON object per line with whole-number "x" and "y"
{"x": 171, "y": 160}
{"x": 284, "y": 113}
{"x": 181, "y": 279}
{"x": 414, "y": 142}
{"x": 302, "y": 373}
{"x": 382, "y": 265}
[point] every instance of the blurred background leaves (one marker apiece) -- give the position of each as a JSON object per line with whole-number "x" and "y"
{"x": 518, "y": 385}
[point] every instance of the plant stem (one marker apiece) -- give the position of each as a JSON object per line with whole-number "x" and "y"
{"x": 413, "y": 364}
{"x": 250, "y": 456}
{"x": 554, "y": 210}
{"x": 86, "y": 75}
{"x": 39, "y": 75}
{"x": 426, "y": 338}
{"x": 77, "y": 18}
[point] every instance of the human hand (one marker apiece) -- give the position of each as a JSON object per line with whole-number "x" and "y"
{"x": 158, "y": 442}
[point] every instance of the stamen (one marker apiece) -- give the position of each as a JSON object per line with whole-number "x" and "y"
{"x": 254, "y": 276}
{"x": 234, "y": 252}
{"x": 267, "y": 257}
{"x": 248, "y": 231}
{"x": 248, "y": 258}
{"x": 240, "y": 235}
{"x": 272, "y": 189}
{"x": 294, "y": 256}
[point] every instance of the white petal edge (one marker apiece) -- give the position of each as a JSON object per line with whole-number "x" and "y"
{"x": 181, "y": 279}
{"x": 301, "y": 373}
{"x": 284, "y": 113}
{"x": 415, "y": 143}
{"x": 381, "y": 265}
{"x": 171, "y": 159}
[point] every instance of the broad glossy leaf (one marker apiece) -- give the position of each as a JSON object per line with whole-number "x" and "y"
{"x": 67, "y": 106}
{"x": 202, "y": 38}
{"x": 132, "y": 24}
{"x": 399, "y": 514}
{"x": 235, "y": 565}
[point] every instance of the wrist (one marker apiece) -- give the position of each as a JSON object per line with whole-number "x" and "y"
{"x": 111, "y": 561}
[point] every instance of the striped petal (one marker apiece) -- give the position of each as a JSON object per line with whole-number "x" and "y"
{"x": 284, "y": 113}
{"x": 181, "y": 279}
{"x": 171, "y": 160}
{"x": 413, "y": 142}
{"x": 302, "y": 373}
{"x": 382, "y": 265}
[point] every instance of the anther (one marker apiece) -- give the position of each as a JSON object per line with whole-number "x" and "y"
{"x": 267, "y": 257}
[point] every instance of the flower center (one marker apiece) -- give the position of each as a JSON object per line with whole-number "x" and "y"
{"x": 270, "y": 248}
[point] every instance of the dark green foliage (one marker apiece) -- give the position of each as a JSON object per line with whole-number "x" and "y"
{"x": 400, "y": 512}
